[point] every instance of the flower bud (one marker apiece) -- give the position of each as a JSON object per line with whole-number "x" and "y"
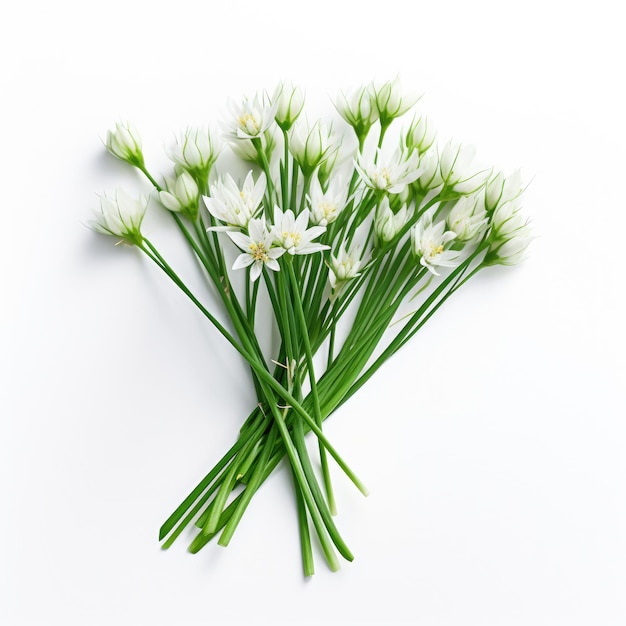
{"x": 391, "y": 103}
{"x": 509, "y": 236}
{"x": 125, "y": 143}
{"x": 195, "y": 151}
{"x": 289, "y": 102}
{"x": 311, "y": 146}
{"x": 454, "y": 167}
{"x": 430, "y": 177}
{"x": 358, "y": 108}
{"x": 467, "y": 219}
{"x": 121, "y": 216}
{"x": 500, "y": 190}
{"x": 387, "y": 224}
{"x": 419, "y": 135}
{"x": 182, "y": 196}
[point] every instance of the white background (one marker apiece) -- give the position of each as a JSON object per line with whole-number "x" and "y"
{"x": 493, "y": 445}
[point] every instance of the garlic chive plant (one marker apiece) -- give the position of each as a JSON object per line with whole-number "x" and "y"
{"x": 321, "y": 230}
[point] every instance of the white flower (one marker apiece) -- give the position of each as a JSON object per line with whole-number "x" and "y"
{"x": 388, "y": 224}
{"x": 181, "y": 195}
{"x": 468, "y": 218}
{"x": 293, "y": 235}
{"x": 509, "y": 237}
{"x": 251, "y": 118}
{"x": 244, "y": 149}
{"x": 326, "y": 206}
{"x": 419, "y": 135}
{"x": 235, "y": 206}
{"x": 345, "y": 266}
{"x": 500, "y": 190}
{"x": 196, "y": 150}
{"x": 310, "y": 145}
{"x": 429, "y": 242}
{"x": 454, "y": 163}
{"x": 430, "y": 177}
{"x": 358, "y": 108}
{"x": 289, "y": 102}
{"x": 390, "y": 102}
{"x": 121, "y": 216}
{"x": 257, "y": 249}
{"x": 392, "y": 174}
{"x": 125, "y": 143}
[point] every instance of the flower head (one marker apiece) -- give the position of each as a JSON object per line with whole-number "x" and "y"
{"x": 420, "y": 135}
{"x": 246, "y": 150}
{"x": 326, "y": 206}
{"x": 390, "y": 101}
{"x": 454, "y": 168}
{"x": 125, "y": 143}
{"x": 293, "y": 235}
{"x": 388, "y": 224}
{"x": 196, "y": 150}
{"x": 289, "y": 102}
{"x": 251, "y": 118}
{"x": 391, "y": 174}
{"x": 430, "y": 177}
{"x": 233, "y": 205}
{"x": 500, "y": 190}
{"x": 121, "y": 216}
{"x": 509, "y": 236}
{"x": 345, "y": 266}
{"x": 311, "y": 145}
{"x": 468, "y": 219}
{"x": 359, "y": 109}
{"x": 181, "y": 195}
{"x": 257, "y": 249}
{"x": 429, "y": 241}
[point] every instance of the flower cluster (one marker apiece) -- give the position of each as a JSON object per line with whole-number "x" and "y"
{"x": 323, "y": 246}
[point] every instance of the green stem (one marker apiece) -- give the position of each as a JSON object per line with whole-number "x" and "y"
{"x": 311, "y": 372}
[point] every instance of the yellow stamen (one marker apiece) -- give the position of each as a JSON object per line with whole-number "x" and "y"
{"x": 258, "y": 252}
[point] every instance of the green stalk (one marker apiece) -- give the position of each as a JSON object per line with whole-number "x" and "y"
{"x": 251, "y": 487}
{"x": 306, "y": 549}
{"x": 311, "y": 372}
{"x": 284, "y": 179}
{"x": 229, "y": 481}
{"x": 305, "y": 489}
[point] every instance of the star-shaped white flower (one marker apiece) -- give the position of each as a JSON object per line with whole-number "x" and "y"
{"x": 345, "y": 266}
{"x": 233, "y": 205}
{"x": 326, "y": 206}
{"x": 391, "y": 174}
{"x": 251, "y": 118}
{"x": 257, "y": 249}
{"x": 429, "y": 244}
{"x": 293, "y": 235}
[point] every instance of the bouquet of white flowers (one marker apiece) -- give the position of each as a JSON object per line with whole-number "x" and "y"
{"x": 321, "y": 230}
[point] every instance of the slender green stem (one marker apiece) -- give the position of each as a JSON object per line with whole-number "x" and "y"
{"x": 311, "y": 372}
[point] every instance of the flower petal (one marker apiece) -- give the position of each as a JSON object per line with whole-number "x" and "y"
{"x": 243, "y": 260}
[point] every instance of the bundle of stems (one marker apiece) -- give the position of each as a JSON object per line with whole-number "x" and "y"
{"x": 353, "y": 259}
